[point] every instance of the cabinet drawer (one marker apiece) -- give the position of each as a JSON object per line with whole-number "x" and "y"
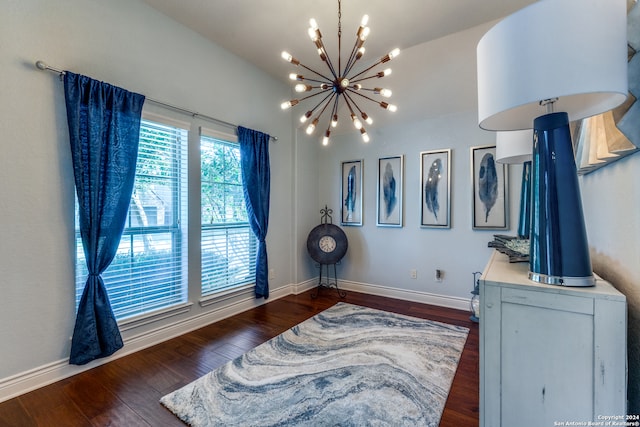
{"x": 550, "y": 300}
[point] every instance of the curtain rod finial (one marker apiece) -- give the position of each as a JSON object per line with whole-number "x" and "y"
{"x": 41, "y": 65}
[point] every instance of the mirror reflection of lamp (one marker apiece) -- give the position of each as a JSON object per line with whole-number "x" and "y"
{"x": 474, "y": 303}
{"x": 516, "y": 147}
{"x": 549, "y": 63}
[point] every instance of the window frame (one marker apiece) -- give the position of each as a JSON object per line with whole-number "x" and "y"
{"x": 207, "y": 295}
{"x": 177, "y": 231}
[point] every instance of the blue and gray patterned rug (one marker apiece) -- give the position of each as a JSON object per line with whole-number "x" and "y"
{"x": 347, "y": 366}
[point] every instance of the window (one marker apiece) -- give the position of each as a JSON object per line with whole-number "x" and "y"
{"x": 227, "y": 243}
{"x": 149, "y": 271}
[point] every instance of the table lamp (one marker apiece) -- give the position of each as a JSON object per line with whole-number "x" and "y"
{"x": 516, "y": 147}
{"x": 551, "y": 62}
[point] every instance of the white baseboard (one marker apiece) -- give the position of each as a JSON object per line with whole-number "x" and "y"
{"x": 406, "y": 295}
{"x": 385, "y": 291}
{"x": 41, "y": 376}
{"x": 305, "y": 286}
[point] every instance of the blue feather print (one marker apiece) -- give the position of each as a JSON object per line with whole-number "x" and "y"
{"x": 350, "y": 201}
{"x": 431, "y": 187}
{"x": 488, "y": 183}
{"x": 389, "y": 189}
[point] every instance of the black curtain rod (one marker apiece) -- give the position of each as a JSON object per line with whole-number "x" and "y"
{"x": 41, "y": 65}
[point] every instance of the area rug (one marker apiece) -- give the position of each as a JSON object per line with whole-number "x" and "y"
{"x": 346, "y": 366}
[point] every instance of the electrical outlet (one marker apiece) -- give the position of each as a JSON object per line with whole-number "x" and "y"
{"x": 272, "y": 273}
{"x": 414, "y": 273}
{"x": 439, "y": 274}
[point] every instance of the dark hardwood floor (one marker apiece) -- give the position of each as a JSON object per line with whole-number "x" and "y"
{"x": 125, "y": 392}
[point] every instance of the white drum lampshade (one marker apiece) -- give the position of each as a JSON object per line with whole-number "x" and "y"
{"x": 573, "y": 50}
{"x": 514, "y": 147}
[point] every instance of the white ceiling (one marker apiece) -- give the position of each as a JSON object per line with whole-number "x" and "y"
{"x": 259, "y": 30}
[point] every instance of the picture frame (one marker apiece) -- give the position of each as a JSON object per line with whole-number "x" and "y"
{"x": 489, "y": 184}
{"x": 390, "y": 191}
{"x": 435, "y": 188}
{"x": 351, "y": 195}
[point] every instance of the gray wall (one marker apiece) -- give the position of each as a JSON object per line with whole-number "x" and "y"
{"x": 128, "y": 44}
{"x": 384, "y": 256}
{"x": 611, "y": 200}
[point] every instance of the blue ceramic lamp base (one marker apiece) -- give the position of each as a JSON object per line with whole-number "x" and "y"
{"x": 559, "y": 251}
{"x": 524, "y": 221}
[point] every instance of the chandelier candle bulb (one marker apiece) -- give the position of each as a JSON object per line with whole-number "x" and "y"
{"x": 365, "y": 136}
{"x": 364, "y": 33}
{"x": 289, "y": 58}
{"x": 382, "y": 92}
{"x": 306, "y": 116}
{"x": 356, "y": 122}
{"x": 389, "y": 107}
{"x": 312, "y": 126}
{"x": 325, "y": 139}
{"x": 303, "y": 88}
{"x": 389, "y": 56}
{"x": 289, "y": 104}
{"x": 314, "y": 34}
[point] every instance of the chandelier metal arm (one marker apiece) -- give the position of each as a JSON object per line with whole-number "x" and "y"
{"x": 346, "y": 100}
{"x": 317, "y": 81}
{"x": 326, "y": 104}
{"x": 375, "y": 76}
{"x": 352, "y": 60}
{"x": 334, "y": 110}
{"x": 327, "y": 79}
{"x": 353, "y": 57}
{"x": 330, "y": 94}
{"x": 330, "y": 64}
{"x": 366, "y": 70}
{"x": 364, "y": 96}
{"x": 312, "y": 95}
{"x": 326, "y": 59}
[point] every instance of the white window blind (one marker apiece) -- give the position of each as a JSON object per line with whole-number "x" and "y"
{"x": 149, "y": 271}
{"x": 228, "y": 246}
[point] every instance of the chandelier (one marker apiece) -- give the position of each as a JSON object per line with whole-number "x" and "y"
{"x": 339, "y": 82}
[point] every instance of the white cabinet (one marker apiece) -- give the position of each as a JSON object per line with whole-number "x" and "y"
{"x": 549, "y": 354}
